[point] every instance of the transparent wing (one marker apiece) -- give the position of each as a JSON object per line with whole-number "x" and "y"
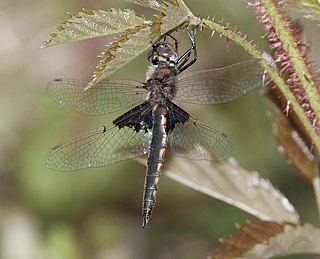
{"x": 219, "y": 85}
{"x": 197, "y": 140}
{"x": 105, "y": 97}
{"x": 97, "y": 148}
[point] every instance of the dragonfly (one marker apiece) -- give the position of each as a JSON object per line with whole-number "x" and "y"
{"x": 155, "y": 123}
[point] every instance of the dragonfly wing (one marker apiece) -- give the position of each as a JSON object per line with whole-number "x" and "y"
{"x": 197, "y": 140}
{"x": 105, "y": 97}
{"x": 219, "y": 85}
{"x": 101, "y": 147}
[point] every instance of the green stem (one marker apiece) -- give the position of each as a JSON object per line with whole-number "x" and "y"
{"x": 274, "y": 75}
{"x": 290, "y": 46}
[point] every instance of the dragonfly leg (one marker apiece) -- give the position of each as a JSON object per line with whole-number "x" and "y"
{"x": 184, "y": 61}
{"x": 176, "y": 43}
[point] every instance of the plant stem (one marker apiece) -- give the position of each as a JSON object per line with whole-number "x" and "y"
{"x": 290, "y": 46}
{"x": 274, "y": 75}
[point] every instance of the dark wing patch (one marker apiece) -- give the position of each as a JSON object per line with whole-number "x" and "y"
{"x": 175, "y": 115}
{"x": 138, "y": 118}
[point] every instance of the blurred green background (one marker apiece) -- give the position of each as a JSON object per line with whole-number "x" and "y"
{"x": 96, "y": 213}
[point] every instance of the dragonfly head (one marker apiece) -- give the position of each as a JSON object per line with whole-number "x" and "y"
{"x": 162, "y": 55}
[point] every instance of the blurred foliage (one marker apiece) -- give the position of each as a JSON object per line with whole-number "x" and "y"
{"x": 96, "y": 213}
{"x": 310, "y": 8}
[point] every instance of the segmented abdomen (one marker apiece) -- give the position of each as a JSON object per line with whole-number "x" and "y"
{"x": 155, "y": 161}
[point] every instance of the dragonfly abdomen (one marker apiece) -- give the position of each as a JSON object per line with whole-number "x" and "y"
{"x": 155, "y": 161}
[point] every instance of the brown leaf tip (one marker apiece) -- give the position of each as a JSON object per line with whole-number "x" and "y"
{"x": 248, "y": 235}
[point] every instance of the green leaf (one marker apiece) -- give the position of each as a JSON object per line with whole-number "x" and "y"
{"x": 175, "y": 15}
{"x": 121, "y": 51}
{"x": 138, "y": 33}
{"x": 153, "y": 4}
{"x": 138, "y": 39}
{"x": 94, "y": 23}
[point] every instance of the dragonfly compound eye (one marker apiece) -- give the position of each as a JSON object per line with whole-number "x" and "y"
{"x": 167, "y": 54}
{"x": 163, "y": 54}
